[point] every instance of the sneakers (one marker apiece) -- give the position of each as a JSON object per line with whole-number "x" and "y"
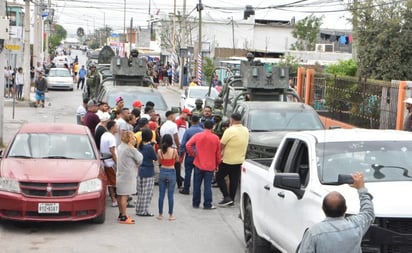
{"x": 184, "y": 192}
{"x": 209, "y": 208}
{"x": 226, "y": 201}
{"x": 114, "y": 204}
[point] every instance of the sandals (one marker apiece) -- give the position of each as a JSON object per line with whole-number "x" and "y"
{"x": 126, "y": 220}
{"x": 172, "y": 217}
{"x": 160, "y": 217}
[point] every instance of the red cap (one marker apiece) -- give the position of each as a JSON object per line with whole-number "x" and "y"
{"x": 137, "y": 103}
{"x": 187, "y": 111}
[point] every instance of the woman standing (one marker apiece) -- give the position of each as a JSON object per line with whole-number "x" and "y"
{"x": 145, "y": 179}
{"x": 167, "y": 177}
{"x": 20, "y": 83}
{"x": 129, "y": 159}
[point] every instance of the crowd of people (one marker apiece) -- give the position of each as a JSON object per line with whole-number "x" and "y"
{"x": 145, "y": 151}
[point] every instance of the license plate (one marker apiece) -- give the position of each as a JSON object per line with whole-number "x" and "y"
{"x": 48, "y": 208}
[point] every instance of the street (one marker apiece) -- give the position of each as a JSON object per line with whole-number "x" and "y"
{"x": 195, "y": 230}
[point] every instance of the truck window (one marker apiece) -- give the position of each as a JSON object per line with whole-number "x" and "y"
{"x": 284, "y": 154}
{"x": 300, "y": 163}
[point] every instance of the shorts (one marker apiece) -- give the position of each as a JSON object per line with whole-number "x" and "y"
{"x": 111, "y": 176}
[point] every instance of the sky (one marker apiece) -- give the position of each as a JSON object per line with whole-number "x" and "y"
{"x": 94, "y": 14}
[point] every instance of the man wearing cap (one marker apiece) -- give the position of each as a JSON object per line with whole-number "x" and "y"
{"x": 407, "y": 124}
{"x": 119, "y": 106}
{"x": 182, "y": 123}
{"x": 137, "y": 105}
{"x": 101, "y": 128}
{"x": 90, "y": 118}
{"x": 217, "y": 117}
{"x": 188, "y": 160}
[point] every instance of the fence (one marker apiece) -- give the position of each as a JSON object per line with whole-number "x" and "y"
{"x": 359, "y": 102}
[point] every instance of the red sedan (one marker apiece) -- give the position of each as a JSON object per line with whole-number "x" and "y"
{"x": 52, "y": 172}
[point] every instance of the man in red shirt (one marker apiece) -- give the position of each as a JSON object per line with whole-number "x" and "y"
{"x": 205, "y": 147}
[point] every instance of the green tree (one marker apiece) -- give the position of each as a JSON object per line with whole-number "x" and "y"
{"x": 306, "y": 32}
{"x": 56, "y": 36}
{"x": 208, "y": 68}
{"x": 383, "y": 36}
{"x": 343, "y": 68}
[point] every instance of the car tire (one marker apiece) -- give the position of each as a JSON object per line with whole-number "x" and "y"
{"x": 254, "y": 243}
{"x": 101, "y": 218}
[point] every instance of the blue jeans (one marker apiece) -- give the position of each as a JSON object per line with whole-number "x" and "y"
{"x": 205, "y": 177}
{"x": 188, "y": 172}
{"x": 167, "y": 179}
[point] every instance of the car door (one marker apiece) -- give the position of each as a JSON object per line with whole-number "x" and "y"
{"x": 294, "y": 214}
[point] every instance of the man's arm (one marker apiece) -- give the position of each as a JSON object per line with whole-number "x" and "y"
{"x": 366, "y": 214}
{"x": 308, "y": 243}
{"x": 113, "y": 152}
{"x": 189, "y": 146}
{"x": 176, "y": 138}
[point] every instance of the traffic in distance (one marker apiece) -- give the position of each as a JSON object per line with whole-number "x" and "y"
{"x": 261, "y": 135}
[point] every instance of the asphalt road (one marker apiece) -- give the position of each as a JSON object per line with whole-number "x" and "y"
{"x": 195, "y": 230}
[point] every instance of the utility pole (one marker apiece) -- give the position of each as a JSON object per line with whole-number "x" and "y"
{"x": 2, "y": 57}
{"x": 26, "y": 52}
{"x": 199, "y": 46}
{"x": 130, "y": 35}
{"x": 233, "y": 36}
{"x": 355, "y": 30}
{"x": 183, "y": 45}
{"x": 37, "y": 39}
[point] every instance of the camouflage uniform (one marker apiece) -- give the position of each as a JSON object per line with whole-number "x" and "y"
{"x": 218, "y": 129}
{"x": 93, "y": 83}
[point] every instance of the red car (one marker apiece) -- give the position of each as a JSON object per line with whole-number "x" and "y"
{"x": 52, "y": 172}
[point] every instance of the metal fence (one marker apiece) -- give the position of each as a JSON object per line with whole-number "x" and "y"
{"x": 362, "y": 103}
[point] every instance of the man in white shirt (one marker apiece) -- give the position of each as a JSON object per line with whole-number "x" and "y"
{"x": 122, "y": 124}
{"x": 108, "y": 145}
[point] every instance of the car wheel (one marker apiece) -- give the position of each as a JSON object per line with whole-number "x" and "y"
{"x": 254, "y": 243}
{"x": 101, "y": 218}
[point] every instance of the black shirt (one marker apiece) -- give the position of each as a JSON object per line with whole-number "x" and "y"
{"x": 100, "y": 130}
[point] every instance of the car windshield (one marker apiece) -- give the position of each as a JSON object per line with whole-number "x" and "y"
{"x": 377, "y": 160}
{"x": 59, "y": 73}
{"x": 130, "y": 97}
{"x": 263, "y": 120}
{"x": 202, "y": 93}
{"x": 51, "y": 146}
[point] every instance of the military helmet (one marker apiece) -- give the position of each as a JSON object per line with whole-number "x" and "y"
{"x": 218, "y": 113}
{"x": 199, "y": 101}
{"x": 218, "y": 101}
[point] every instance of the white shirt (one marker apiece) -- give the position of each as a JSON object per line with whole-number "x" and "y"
{"x": 19, "y": 78}
{"x": 123, "y": 126}
{"x": 169, "y": 127}
{"x": 107, "y": 141}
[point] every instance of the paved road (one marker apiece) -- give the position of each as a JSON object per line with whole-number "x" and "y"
{"x": 195, "y": 230}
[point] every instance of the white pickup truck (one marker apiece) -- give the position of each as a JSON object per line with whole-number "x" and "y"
{"x": 282, "y": 197}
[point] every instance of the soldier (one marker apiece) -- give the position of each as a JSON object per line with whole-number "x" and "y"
{"x": 93, "y": 82}
{"x": 218, "y": 104}
{"x": 199, "y": 107}
{"x": 218, "y": 116}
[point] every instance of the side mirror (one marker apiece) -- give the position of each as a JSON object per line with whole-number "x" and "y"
{"x": 105, "y": 156}
{"x": 290, "y": 182}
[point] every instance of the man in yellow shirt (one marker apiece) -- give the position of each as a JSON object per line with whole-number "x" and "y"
{"x": 143, "y": 123}
{"x": 234, "y": 145}
{"x": 194, "y": 82}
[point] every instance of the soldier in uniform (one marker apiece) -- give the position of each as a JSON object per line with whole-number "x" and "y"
{"x": 218, "y": 116}
{"x": 199, "y": 107}
{"x": 218, "y": 104}
{"x": 93, "y": 82}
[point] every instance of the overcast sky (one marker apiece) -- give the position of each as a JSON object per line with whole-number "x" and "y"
{"x": 91, "y": 14}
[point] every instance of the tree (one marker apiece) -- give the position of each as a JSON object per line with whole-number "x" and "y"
{"x": 166, "y": 32}
{"x": 208, "y": 68}
{"x": 306, "y": 32}
{"x": 383, "y": 36}
{"x": 57, "y": 35}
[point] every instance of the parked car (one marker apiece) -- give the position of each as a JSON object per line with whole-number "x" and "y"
{"x": 59, "y": 78}
{"x": 268, "y": 122}
{"x": 59, "y": 61}
{"x": 108, "y": 93}
{"x": 282, "y": 196}
{"x": 188, "y": 98}
{"x": 52, "y": 172}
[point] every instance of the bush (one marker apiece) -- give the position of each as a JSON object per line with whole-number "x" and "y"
{"x": 343, "y": 68}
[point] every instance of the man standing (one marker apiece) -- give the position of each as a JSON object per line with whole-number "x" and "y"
{"x": 82, "y": 77}
{"x": 407, "y": 124}
{"x": 182, "y": 124}
{"x": 122, "y": 124}
{"x": 108, "y": 145}
{"x": 234, "y": 144}
{"x": 194, "y": 129}
{"x": 81, "y": 111}
{"x": 338, "y": 233}
{"x": 90, "y": 118}
{"x": 93, "y": 82}
{"x": 119, "y": 106}
{"x": 101, "y": 128}
{"x": 205, "y": 147}
{"x": 207, "y": 114}
{"x": 170, "y": 127}
{"x": 41, "y": 88}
